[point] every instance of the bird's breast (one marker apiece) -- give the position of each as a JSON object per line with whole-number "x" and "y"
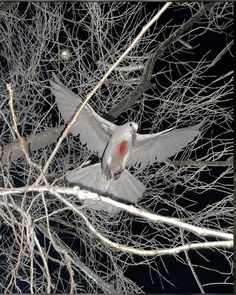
{"x": 116, "y": 154}
{"x": 122, "y": 148}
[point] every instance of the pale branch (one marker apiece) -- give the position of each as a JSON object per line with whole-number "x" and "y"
{"x": 145, "y": 84}
{"x": 23, "y": 145}
{"x": 83, "y": 194}
{"x": 219, "y": 56}
{"x": 153, "y": 252}
{"x": 42, "y": 254}
{"x": 143, "y": 252}
{"x": 130, "y": 68}
{"x": 191, "y": 266}
{"x": 186, "y": 44}
{"x": 61, "y": 251}
{"x": 34, "y": 142}
{"x": 200, "y": 163}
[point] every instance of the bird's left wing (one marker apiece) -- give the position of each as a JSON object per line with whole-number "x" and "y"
{"x": 94, "y": 131}
{"x": 149, "y": 148}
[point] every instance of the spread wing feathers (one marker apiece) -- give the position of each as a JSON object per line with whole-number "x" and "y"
{"x": 149, "y": 148}
{"x": 93, "y": 129}
{"x": 127, "y": 187}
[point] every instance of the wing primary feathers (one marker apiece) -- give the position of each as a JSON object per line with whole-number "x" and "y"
{"x": 149, "y": 148}
{"x": 94, "y": 131}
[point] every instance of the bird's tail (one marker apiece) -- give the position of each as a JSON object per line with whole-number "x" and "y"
{"x": 127, "y": 187}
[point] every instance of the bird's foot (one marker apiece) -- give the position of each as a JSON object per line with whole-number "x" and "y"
{"x": 118, "y": 173}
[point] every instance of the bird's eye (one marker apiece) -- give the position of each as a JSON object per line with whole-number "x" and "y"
{"x": 130, "y": 124}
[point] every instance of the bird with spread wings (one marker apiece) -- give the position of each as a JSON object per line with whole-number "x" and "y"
{"x": 119, "y": 147}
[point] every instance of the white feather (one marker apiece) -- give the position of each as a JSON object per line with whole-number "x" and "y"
{"x": 127, "y": 187}
{"x": 93, "y": 129}
{"x": 149, "y": 148}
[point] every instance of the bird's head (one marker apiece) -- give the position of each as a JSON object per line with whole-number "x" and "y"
{"x": 133, "y": 126}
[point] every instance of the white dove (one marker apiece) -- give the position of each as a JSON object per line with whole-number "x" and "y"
{"x": 118, "y": 146}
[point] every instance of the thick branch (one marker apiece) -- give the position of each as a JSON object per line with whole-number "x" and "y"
{"x": 132, "y": 98}
{"x": 13, "y": 151}
{"x": 83, "y": 194}
{"x": 201, "y": 163}
{"x": 35, "y": 142}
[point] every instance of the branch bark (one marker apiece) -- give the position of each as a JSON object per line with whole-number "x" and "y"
{"x": 35, "y": 142}
{"x": 83, "y": 194}
{"x": 201, "y": 163}
{"x": 8, "y": 5}
{"x": 145, "y": 83}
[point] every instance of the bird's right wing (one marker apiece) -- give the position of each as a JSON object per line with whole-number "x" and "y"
{"x": 149, "y": 148}
{"x": 94, "y": 131}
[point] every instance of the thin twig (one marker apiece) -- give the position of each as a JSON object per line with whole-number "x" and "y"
{"x": 60, "y": 246}
{"x": 191, "y": 266}
{"x": 23, "y": 143}
{"x": 15, "y": 128}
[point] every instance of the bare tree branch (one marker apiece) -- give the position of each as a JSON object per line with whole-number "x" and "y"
{"x": 34, "y": 142}
{"x": 145, "y": 84}
{"x": 84, "y": 195}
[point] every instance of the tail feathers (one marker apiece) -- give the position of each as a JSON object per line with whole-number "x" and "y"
{"x": 127, "y": 187}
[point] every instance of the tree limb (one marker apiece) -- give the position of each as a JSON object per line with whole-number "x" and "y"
{"x": 145, "y": 84}
{"x": 84, "y": 194}
{"x": 35, "y": 142}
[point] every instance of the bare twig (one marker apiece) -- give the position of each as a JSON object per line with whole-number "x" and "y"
{"x": 23, "y": 143}
{"x": 21, "y": 140}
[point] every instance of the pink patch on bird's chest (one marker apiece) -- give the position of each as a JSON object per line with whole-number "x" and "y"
{"x": 122, "y": 148}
